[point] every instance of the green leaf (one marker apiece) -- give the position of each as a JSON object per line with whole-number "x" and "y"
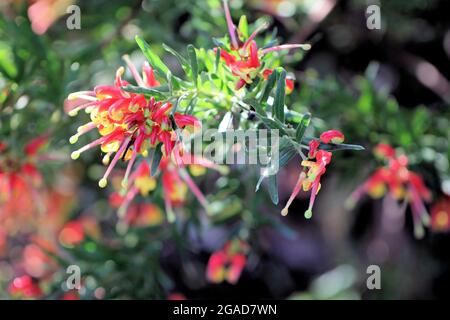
{"x": 152, "y": 58}
{"x": 243, "y": 26}
{"x": 302, "y": 126}
{"x": 216, "y": 64}
{"x": 286, "y": 154}
{"x": 183, "y": 61}
{"x": 268, "y": 88}
{"x": 273, "y": 188}
{"x": 342, "y": 146}
{"x": 280, "y": 94}
{"x": 335, "y": 147}
{"x": 272, "y": 124}
{"x": 194, "y": 62}
{"x": 160, "y": 92}
{"x": 157, "y": 155}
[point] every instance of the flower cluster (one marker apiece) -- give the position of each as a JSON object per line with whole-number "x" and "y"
{"x": 20, "y": 180}
{"x": 227, "y": 264}
{"x": 243, "y": 57}
{"x": 129, "y": 124}
{"x": 175, "y": 181}
{"x": 314, "y": 169}
{"x": 401, "y": 183}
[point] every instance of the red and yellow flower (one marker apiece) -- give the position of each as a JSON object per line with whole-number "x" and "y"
{"x": 21, "y": 182}
{"x": 314, "y": 169}
{"x": 243, "y": 57}
{"x": 228, "y": 263}
{"x": 400, "y": 183}
{"x": 128, "y": 123}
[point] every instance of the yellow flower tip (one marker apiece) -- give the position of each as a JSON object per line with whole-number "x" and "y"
{"x": 121, "y": 212}
{"x": 102, "y": 183}
{"x": 306, "y": 46}
{"x": 124, "y": 183}
{"x": 419, "y": 232}
{"x": 284, "y": 212}
{"x": 72, "y": 96}
{"x": 170, "y": 216}
{"x": 89, "y": 109}
{"x": 120, "y": 71}
{"x": 308, "y": 214}
{"x": 224, "y": 170}
{"x": 105, "y": 160}
{"x": 75, "y": 155}
{"x": 73, "y": 139}
{"x": 73, "y": 113}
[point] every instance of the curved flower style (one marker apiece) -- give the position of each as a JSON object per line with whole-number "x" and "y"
{"x": 309, "y": 178}
{"x": 243, "y": 56}
{"x": 228, "y": 263}
{"x": 402, "y": 184}
{"x": 440, "y": 215}
{"x": 128, "y": 123}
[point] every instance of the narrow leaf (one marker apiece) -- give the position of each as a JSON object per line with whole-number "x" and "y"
{"x": 243, "y": 26}
{"x": 302, "y": 126}
{"x": 273, "y": 188}
{"x": 183, "y": 61}
{"x": 280, "y": 94}
{"x": 268, "y": 88}
{"x": 193, "y": 61}
{"x": 152, "y": 58}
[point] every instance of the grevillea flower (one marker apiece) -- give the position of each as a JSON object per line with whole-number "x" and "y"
{"x": 402, "y": 184}
{"x": 75, "y": 231}
{"x": 128, "y": 123}
{"x": 332, "y": 136}
{"x": 243, "y": 56}
{"x": 36, "y": 262}
{"x": 175, "y": 179}
{"x": 228, "y": 263}
{"x": 144, "y": 215}
{"x": 313, "y": 169}
{"x": 25, "y": 287}
{"x": 43, "y": 13}
{"x": 440, "y": 215}
{"x": 20, "y": 180}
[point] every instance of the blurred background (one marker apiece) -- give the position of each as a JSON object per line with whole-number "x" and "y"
{"x": 387, "y": 85}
